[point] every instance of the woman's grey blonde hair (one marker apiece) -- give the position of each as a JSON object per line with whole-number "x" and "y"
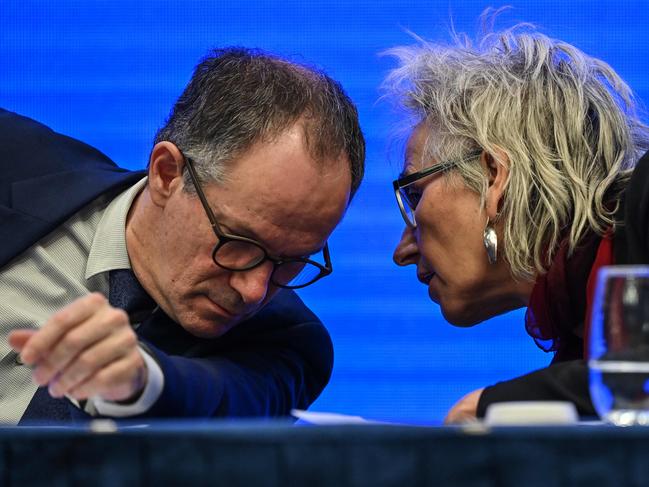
{"x": 566, "y": 121}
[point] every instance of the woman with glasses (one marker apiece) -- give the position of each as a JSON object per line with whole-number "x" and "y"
{"x": 518, "y": 184}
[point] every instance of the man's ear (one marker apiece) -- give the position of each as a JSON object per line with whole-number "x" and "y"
{"x": 166, "y": 165}
{"x": 496, "y": 164}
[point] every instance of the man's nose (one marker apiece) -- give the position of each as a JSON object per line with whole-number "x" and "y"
{"x": 252, "y": 285}
{"x": 407, "y": 251}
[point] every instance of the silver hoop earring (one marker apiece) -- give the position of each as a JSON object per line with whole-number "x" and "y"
{"x": 490, "y": 240}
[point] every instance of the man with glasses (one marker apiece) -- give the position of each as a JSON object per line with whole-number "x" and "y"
{"x": 133, "y": 296}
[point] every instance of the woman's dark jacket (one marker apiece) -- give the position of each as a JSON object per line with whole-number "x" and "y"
{"x": 568, "y": 380}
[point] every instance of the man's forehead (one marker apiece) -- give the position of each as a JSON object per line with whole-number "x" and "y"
{"x": 284, "y": 226}
{"x": 280, "y": 240}
{"x": 277, "y": 194}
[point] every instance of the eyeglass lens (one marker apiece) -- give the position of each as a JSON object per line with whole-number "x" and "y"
{"x": 240, "y": 255}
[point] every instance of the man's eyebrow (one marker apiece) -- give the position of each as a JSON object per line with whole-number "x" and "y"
{"x": 319, "y": 250}
{"x": 242, "y": 230}
{"x": 306, "y": 255}
{"x": 239, "y": 229}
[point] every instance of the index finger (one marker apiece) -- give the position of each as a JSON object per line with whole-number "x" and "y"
{"x": 59, "y": 324}
{"x": 18, "y": 338}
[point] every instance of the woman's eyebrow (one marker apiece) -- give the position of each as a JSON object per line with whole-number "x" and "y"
{"x": 407, "y": 169}
{"x": 408, "y": 166}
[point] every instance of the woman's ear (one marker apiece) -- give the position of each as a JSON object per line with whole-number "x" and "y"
{"x": 496, "y": 164}
{"x": 165, "y": 172}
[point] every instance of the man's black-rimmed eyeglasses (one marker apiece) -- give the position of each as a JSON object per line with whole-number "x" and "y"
{"x": 237, "y": 253}
{"x": 408, "y": 196}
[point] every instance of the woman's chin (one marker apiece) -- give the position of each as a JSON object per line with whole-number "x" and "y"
{"x": 456, "y": 311}
{"x": 461, "y": 316}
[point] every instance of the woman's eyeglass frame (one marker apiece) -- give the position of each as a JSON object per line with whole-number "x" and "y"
{"x": 403, "y": 182}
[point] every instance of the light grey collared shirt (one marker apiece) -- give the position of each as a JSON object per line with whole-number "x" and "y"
{"x": 71, "y": 262}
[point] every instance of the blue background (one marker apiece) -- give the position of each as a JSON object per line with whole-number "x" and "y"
{"x": 107, "y": 72}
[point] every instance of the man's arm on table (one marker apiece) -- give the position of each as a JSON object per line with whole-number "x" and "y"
{"x": 278, "y": 360}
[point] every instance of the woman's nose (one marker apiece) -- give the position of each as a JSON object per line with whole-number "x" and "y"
{"x": 407, "y": 251}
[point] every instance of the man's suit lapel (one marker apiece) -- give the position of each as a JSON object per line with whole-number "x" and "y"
{"x": 38, "y": 205}
{"x": 46, "y": 177}
{"x": 50, "y": 196}
{"x": 17, "y": 230}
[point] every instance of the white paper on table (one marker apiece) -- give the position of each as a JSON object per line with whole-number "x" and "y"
{"x": 317, "y": 418}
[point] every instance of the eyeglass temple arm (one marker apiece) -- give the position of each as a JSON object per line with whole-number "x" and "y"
{"x": 201, "y": 195}
{"x": 327, "y": 258}
{"x": 406, "y": 180}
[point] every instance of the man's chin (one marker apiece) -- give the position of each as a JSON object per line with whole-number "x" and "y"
{"x": 206, "y": 328}
{"x": 208, "y": 319}
{"x": 203, "y": 323}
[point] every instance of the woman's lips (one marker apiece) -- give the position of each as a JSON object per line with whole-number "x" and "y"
{"x": 432, "y": 288}
{"x": 425, "y": 277}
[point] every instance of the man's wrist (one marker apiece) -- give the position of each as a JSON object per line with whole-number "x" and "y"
{"x": 154, "y": 383}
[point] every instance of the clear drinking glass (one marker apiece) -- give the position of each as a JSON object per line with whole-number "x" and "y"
{"x": 619, "y": 345}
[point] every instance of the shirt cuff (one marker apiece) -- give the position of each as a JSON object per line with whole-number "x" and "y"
{"x": 154, "y": 385}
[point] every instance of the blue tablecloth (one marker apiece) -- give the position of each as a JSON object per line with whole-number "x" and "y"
{"x": 279, "y": 455}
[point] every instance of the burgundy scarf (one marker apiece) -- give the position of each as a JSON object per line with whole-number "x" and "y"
{"x": 558, "y": 313}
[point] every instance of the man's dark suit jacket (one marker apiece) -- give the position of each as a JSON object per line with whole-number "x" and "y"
{"x": 279, "y": 359}
{"x": 568, "y": 381}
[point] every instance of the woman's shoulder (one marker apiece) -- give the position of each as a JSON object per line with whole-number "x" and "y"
{"x": 637, "y": 191}
{"x": 642, "y": 167}
{"x": 631, "y": 241}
